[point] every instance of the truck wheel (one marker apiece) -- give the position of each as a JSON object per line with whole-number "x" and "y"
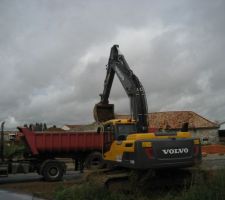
{"x": 53, "y": 171}
{"x": 94, "y": 161}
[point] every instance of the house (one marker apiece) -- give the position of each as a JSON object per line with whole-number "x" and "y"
{"x": 199, "y": 126}
{"x": 9, "y": 136}
{"x": 222, "y": 132}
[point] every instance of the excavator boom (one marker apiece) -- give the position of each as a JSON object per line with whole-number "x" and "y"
{"x": 103, "y": 111}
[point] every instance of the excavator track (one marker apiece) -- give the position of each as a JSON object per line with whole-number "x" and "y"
{"x": 109, "y": 178}
{"x": 125, "y": 179}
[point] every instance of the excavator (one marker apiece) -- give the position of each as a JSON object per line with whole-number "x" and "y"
{"x": 127, "y": 142}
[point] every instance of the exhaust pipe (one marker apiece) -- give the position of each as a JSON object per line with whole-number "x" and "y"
{"x": 2, "y": 142}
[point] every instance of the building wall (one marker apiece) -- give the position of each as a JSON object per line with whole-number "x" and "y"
{"x": 222, "y": 126}
{"x": 65, "y": 128}
{"x": 207, "y": 136}
{"x": 9, "y": 136}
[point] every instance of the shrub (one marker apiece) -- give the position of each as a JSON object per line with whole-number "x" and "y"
{"x": 87, "y": 191}
{"x": 205, "y": 186}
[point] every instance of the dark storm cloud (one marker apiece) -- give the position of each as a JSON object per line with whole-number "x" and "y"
{"x": 53, "y": 56}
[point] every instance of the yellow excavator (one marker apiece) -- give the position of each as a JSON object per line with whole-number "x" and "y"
{"x": 127, "y": 142}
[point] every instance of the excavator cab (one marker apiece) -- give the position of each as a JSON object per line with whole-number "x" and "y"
{"x": 117, "y": 130}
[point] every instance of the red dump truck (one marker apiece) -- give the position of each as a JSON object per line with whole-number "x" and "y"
{"x": 44, "y": 152}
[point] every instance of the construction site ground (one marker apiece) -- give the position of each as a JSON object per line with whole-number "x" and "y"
{"x": 33, "y": 184}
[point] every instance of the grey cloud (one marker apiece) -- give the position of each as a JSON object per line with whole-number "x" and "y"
{"x": 53, "y": 56}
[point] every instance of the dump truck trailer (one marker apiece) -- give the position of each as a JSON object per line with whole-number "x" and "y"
{"x": 44, "y": 152}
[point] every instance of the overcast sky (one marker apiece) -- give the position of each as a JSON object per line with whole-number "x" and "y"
{"x": 53, "y": 56}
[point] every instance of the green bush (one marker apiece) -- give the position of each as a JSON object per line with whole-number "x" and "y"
{"x": 205, "y": 186}
{"x": 12, "y": 150}
{"x": 87, "y": 191}
{"x": 207, "y": 189}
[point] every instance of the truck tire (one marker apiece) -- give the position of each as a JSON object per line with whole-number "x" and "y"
{"x": 94, "y": 161}
{"x": 53, "y": 171}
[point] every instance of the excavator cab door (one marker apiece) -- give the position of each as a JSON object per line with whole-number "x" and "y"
{"x": 108, "y": 137}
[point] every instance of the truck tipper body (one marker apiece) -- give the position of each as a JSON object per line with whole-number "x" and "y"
{"x": 44, "y": 152}
{"x": 61, "y": 143}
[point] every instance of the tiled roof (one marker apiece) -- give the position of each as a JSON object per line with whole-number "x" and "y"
{"x": 175, "y": 119}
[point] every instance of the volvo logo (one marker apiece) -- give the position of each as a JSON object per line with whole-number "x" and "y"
{"x": 175, "y": 151}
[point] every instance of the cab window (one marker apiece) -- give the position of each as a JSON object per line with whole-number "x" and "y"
{"x": 123, "y": 130}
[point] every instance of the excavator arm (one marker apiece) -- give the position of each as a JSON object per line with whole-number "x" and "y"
{"x": 104, "y": 111}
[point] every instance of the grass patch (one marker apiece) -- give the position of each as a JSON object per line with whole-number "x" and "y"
{"x": 212, "y": 187}
{"x": 204, "y": 187}
{"x": 12, "y": 150}
{"x": 87, "y": 191}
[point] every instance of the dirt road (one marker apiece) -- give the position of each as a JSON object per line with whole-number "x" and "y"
{"x": 33, "y": 185}
{"x": 8, "y": 195}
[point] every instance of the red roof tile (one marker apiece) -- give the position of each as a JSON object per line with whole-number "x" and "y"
{"x": 175, "y": 119}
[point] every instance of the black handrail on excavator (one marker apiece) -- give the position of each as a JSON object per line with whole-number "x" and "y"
{"x": 104, "y": 111}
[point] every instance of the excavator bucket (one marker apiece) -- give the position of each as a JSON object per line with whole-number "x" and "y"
{"x": 103, "y": 112}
